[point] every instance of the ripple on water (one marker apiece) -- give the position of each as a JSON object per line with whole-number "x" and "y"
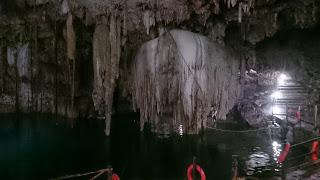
{"x": 257, "y": 163}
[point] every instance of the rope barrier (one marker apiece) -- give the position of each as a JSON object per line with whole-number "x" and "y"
{"x": 237, "y": 131}
{"x": 299, "y": 156}
{"x": 303, "y": 142}
{"x": 98, "y": 172}
{"x": 260, "y": 129}
{"x": 305, "y": 164}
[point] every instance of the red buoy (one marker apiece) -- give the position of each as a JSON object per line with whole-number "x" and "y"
{"x": 115, "y": 177}
{"x": 284, "y": 153}
{"x": 199, "y": 169}
{"x": 298, "y": 115}
{"x": 315, "y": 150}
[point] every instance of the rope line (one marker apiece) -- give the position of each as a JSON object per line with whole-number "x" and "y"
{"x": 98, "y": 172}
{"x": 299, "y": 156}
{"x": 237, "y": 131}
{"x": 260, "y": 129}
{"x": 303, "y": 142}
{"x": 304, "y": 165}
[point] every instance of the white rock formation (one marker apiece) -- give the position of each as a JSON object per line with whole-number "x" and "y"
{"x": 178, "y": 76}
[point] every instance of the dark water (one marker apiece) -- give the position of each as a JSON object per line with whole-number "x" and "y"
{"x": 42, "y": 147}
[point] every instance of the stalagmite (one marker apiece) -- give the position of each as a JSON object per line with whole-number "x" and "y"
{"x": 106, "y": 57}
{"x": 178, "y": 76}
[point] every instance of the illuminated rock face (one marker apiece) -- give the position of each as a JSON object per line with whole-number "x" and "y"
{"x": 179, "y": 76}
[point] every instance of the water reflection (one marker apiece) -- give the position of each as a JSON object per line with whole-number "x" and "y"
{"x": 180, "y": 130}
{"x": 276, "y": 150}
{"x": 257, "y": 162}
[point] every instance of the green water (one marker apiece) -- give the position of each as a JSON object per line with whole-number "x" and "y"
{"x": 42, "y": 147}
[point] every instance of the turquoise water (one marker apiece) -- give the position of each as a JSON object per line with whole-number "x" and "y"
{"x": 42, "y": 147}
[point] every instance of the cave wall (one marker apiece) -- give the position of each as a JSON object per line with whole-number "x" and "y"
{"x": 67, "y": 57}
{"x": 41, "y": 63}
{"x": 294, "y": 53}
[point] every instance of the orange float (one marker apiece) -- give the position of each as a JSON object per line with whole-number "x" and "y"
{"x": 199, "y": 170}
{"x": 298, "y": 115}
{"x": 284, "y": 153}
{"x": 115, "y": 177}
{"x": 315, "y": 150}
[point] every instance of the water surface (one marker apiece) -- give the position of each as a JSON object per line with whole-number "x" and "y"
{"x": 42, "y": 147}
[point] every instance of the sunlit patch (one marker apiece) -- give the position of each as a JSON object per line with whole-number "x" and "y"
{"x": 281, "y": 82}
{"x": 276, "y": 95}
{"x": 276, "y": 150}
{"x": 282, "y": 79}
{"x": 276, "y": 110}
{"x": 257, "y": 162}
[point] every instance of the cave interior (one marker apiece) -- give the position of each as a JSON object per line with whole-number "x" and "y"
{"x": 165, "y": 69}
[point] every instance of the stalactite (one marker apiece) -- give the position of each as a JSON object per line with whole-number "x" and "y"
{"x": 71, "y": 38}
{"x": 10, "y": 56}
{"x": 65, "y": 7}
{"x": 240, "y": 12}
{"x": 71, "y": 50}
{"x": 24, "y": 74}
{"x": 148, "y": 20}
{"x": 2, "y": 69}
{"x": 124, "y": 28}
{"x": 314, "y": 12}
{"x": 178, "y": 76}
{"x": 56, "y": 71}
{"x": 106, "y": 57}
{"x": 231, "y": 3}
{"x": 216, "y": 6}
{"x": 275, "y": 17}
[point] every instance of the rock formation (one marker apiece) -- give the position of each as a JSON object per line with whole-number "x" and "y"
{"x": 179, "y": 76}
{"x": 106, "y": 57}
{"x": 69, "y": 58}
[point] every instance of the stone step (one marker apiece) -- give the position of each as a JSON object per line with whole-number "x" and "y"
{"x": 290, "y": 100}
{"x": 291, "y": 87}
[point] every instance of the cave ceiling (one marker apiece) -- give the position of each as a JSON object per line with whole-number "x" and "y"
{"x": 260, "y": 18}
